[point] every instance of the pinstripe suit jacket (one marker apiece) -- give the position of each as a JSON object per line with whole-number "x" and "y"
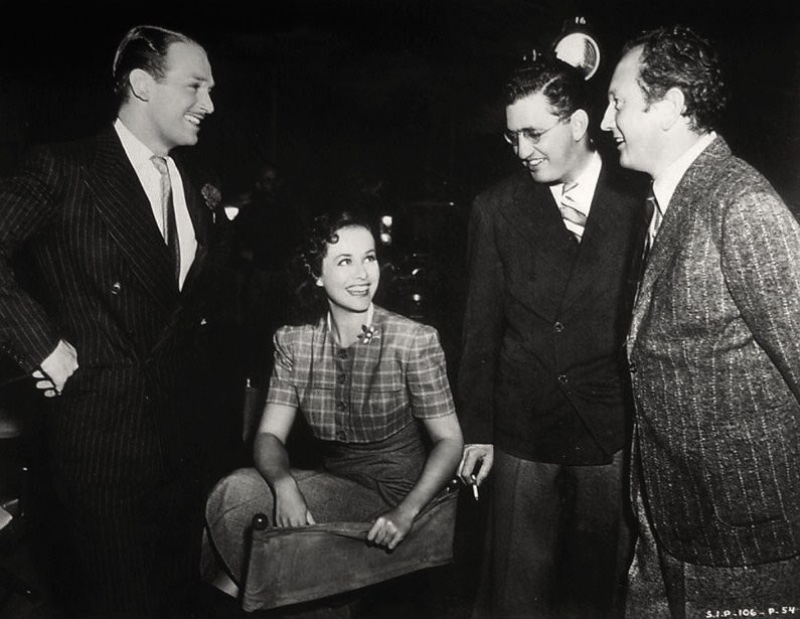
{"x": 714, "y": 348}
{"x": 105, "y": 284}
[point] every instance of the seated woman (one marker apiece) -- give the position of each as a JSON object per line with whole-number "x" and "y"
{"x": 370, "y": 384}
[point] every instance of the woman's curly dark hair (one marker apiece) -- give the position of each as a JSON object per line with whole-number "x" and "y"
{"x": 311, "y": 303}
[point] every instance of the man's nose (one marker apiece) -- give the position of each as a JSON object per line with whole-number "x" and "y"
{"x": 607, "y": 124}
{"x": 206, "y": 104}
{"x": 524, "y": 148}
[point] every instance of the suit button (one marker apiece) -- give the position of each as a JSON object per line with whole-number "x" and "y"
{"x": 558, "y": 327}
{"x": 116, "y": 288}
{"x": 562, "y": 378}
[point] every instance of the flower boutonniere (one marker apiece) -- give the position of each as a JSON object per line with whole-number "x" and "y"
{"x": 212, "y": 196}
{"x": 367, "y": 333}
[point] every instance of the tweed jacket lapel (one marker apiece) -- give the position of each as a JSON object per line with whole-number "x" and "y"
{"x": 123, "y": 204}
{"x": 690, "y": 190}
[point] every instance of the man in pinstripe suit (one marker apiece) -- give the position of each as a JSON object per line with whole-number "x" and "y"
{"x": 116, "y": 340}
{"x": 714, "y": 349}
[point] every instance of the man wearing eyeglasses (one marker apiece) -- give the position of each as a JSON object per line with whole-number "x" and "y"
{"x": 554, "y": 252}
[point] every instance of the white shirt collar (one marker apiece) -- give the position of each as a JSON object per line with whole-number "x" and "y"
{"x": 367, "y": 323}
{"x": 586, "y": 181}
{"x": 665, "y": 185}
{"x": 138, "y": 154}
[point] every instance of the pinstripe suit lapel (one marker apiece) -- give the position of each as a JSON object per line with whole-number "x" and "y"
{"x": 122, "y": 202}
{"x": 200, "y": 215}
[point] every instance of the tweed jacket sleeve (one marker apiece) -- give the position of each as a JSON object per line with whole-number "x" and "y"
{"x": 715, "y": 343}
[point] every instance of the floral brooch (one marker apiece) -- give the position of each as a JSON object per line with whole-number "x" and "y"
{"x": 367, "y": 333}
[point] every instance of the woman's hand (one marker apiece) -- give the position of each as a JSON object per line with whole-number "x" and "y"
{"x": 290, "y": 507}
{"x": 391, "y": 528}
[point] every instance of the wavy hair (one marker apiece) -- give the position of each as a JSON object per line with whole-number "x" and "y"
{"x": 678, "y": 57}
{"x": 564, "y": 85}
{"x": 311, "y": 302}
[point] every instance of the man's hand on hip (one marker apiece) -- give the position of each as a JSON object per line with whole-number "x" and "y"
{"x": 56, "y": 369}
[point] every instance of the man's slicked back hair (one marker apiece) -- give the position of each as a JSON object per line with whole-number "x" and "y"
{"x": 564, "y": 86}
{"x": 143, "y": 47}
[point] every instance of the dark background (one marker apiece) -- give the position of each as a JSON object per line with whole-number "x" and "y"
{"x": 405, "y": 90}
{"x": 397, "y": 94}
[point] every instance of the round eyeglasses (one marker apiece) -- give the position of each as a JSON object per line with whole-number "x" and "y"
{"x": 532, "y": 136}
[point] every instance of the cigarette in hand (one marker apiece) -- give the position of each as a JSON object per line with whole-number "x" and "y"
{"x": 474, "y": 487}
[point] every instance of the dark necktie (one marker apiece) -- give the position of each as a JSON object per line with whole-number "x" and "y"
{"x": 653, "y": 214}
{"x": 169, "y": 227}
{"x": 571, "y": 214}
{"x": 654, "y": 222}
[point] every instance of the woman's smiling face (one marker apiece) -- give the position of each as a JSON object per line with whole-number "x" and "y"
{"x": 350, "y": 271}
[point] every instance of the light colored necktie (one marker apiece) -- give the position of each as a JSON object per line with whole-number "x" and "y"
{"x": 169, "y": 227}
{"x": 574, "y": 219}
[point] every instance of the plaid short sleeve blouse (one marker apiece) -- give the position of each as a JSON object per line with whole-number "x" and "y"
{"x": 369, "y": 391}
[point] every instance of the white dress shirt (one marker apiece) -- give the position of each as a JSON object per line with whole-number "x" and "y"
{"x": 139, "y": 156}
{"x": 664, "y": 186}
{"x": 586, "y": 182}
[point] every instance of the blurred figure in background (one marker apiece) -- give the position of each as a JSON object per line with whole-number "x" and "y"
{"x": 268, "y": 230}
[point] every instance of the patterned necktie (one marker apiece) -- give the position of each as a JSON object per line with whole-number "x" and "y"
{"x": 654, "y": 218}
{"x": 574, "y": 219}
{"x": 169, "y": 227}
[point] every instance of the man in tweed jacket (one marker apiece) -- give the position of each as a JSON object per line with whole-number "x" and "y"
{"x": 114, "y": 328}
{"x": 714, "y": 349}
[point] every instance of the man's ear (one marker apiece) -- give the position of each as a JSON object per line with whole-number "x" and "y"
{"x": 141, "y": 82}
{"x": 672, "y": 107}
{"x": 579, "y": 124}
